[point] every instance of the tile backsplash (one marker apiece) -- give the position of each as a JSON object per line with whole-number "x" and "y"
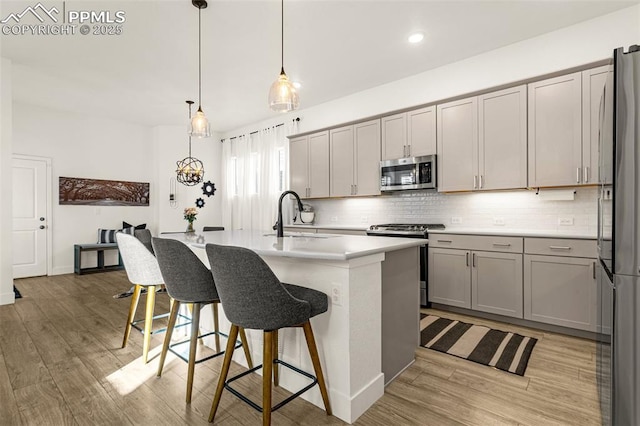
{"x": 521, "y": 209}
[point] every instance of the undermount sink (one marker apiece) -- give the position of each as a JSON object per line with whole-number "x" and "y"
{"x": 301, "y": 235}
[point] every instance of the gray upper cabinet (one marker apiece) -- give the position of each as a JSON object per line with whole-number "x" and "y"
{"x": 410, "y": 134}
{"x": 482, "y": 142}
{"x": 458, "y": 145}
{"x": 341, "y": 161}
{"x": 367, "y": 158}
{"x": 421, "y": 132}
{"x": 355, "y": 160}
{"x": 502, "y": 139}
{"x": 564, "y": 120}
{"x": 555, "y": 131}
{"x": 309, "y": 165}
{"x": 394, "y": 136}
{"x": 593, "y": 85}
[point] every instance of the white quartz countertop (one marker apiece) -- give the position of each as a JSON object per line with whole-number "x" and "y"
{"x": 300, "y": 245}
{"x": 345, "y": 227}
{"x": 518, "y": 233}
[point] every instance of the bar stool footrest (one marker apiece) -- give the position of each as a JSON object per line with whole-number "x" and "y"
{"x": 283, "y": 402}
{"x": 206, "y": 358}
{"x": 135, "y": 323}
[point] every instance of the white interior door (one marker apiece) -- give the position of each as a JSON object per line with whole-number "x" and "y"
{"x": 29, "y": 217}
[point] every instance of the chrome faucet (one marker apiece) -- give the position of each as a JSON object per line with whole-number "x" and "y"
{"x": 280, "y": 231}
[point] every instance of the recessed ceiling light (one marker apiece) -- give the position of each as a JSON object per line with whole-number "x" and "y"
{"x": 297, "y": 84}
{"x": 416, "y": 37}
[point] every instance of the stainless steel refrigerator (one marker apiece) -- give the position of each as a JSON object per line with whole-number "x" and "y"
{"x": 618, "y": 353}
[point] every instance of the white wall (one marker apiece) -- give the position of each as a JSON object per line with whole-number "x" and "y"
{"x": 86, "y": 147}
{"x": 6, "y": 211}
{"x": 576, "y": 45}
{"x": 172, "y": 145}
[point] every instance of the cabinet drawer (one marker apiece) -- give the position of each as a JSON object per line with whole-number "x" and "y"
{"x": 477, "y": 242}
{"x": 560, "y": 247}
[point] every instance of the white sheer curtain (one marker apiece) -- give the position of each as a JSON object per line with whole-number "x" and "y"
{"x": 255, "y": 170}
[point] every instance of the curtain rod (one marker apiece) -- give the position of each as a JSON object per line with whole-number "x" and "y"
{"x": 297, "y": 119}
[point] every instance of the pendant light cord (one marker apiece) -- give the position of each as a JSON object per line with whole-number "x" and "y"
{"x": 189, "y": 103}
{"x": 282, "y": 37}
{"x": 199, "y": 62}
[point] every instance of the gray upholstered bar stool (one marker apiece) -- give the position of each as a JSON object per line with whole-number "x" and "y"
{"x": 254, "y": 298}
{"x": 143, "y": 272}
{"x": 189, "y": 281}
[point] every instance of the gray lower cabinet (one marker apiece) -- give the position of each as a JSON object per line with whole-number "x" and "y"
{"x": 480, "y": 280}
{"x": 449, "y": 277}
{"x": 496, "y": 283}
{"x": 560, "y": 290}
{"x": 483, "y": 273}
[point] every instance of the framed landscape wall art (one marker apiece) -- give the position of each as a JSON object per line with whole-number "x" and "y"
{"x": 99, "y": 192}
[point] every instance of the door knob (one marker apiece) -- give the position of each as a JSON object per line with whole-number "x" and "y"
{"x": 42, "y": 219}
{"x": 41, "y": 226}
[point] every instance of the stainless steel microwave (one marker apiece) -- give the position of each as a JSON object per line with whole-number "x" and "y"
{"x": 408, "y": 173}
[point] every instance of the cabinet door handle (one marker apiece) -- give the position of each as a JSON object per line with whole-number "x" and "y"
{"x": 467, "y": 258}
{"x": 578, "y": 175}
{"x": 355, "y": 189}
{"x": 480, "y": 181}
{"x": 585, "y": 175}
{"x": 594, "y": 270}
{"x": 502, "y": 244}
{"x": 473, "y": 260}
{"x": 445, "y": 241}
{"x": 559, "y": 248}
{"x": 475, "y": 181}
{"x": 408, "y": 150}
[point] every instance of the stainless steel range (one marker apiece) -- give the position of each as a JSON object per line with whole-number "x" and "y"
{"x": 407, "y": 230}
{"x": 410, "y": 230}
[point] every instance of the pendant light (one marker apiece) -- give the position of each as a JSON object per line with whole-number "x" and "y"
{"x": 199, "y": 127}
{"x": 190, "y": 170}
{"x": 282, "y": 95}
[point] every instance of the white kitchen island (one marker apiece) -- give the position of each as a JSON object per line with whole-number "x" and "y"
{"x": 371, "y": 329}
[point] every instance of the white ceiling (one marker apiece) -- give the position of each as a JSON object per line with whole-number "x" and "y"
{"x": 334, "y": 48}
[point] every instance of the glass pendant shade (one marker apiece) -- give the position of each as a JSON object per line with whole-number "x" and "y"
{"x": 199, "y": 127}
{"x": 190, "y": 171}
{"x": 282, "y": 95}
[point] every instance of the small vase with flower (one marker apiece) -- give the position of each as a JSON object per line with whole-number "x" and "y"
{"x": 190, "y": 215}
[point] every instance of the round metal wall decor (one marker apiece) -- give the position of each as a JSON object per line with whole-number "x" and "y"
{"x": 208, "y": 188}
{"x": 199, "y": 203}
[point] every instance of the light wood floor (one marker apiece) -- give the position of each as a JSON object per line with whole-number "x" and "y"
{"x": 61, "y": 363}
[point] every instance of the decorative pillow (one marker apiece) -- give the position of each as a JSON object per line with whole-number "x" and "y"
{"x": 126, "y": 225}
{"x": 109, "y": 235}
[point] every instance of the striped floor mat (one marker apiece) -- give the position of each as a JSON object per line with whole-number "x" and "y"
{"x": 503, "y": 350}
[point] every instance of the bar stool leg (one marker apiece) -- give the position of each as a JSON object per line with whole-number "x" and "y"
{"x": 228, "y": 353}
{"x": 133, "y": 306}
{"x": 148, "y": 321}
{"x": 315, "y": 359}
{"x": 175, "y": 307}
{"x": 216, "y": 326}
{"x": 195, "y": 324}
{"x": 245, "y": 347}
{"x": 276, "y": 378}
{"x": 267, "y": 363}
